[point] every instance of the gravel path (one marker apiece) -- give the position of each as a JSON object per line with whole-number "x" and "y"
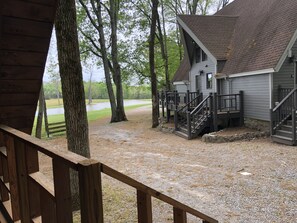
{"x": 246, "y": 181}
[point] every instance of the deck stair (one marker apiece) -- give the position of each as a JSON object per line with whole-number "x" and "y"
{"x": 190, "y": 122}
{"x": 283, "y": 120}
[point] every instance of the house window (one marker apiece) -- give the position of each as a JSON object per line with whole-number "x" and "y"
{"x": 197, "y": 82}
{"x": 209, "y": 80}
{"x": 204, "y": 56}
{"x": 197, "y": 54}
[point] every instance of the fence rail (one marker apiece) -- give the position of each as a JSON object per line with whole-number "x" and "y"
{"x": 29, "y": 196}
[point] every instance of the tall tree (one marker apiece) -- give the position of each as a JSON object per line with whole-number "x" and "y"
{"x": 72, "y": 84}
{"x": 41, "y": 107}
{"x": 98, "y": 23}
{"x": 155, "y": 102}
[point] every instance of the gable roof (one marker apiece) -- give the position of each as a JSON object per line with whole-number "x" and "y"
{"x": 262, "y": 32}
{"x": 215, "y": 32}
{"x": 182, "y": 73}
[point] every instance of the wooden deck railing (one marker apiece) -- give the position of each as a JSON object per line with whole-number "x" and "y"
{"x": 29, "y": 196}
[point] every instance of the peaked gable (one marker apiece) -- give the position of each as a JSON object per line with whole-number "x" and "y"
{"x": 251, "y": 35}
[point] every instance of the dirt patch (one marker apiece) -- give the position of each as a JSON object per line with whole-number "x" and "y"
{"x": 244, "y": 181}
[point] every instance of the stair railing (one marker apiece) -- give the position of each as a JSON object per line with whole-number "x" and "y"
{"x": 283, "y": 111}
{"x": 198, "y": 115}
{"x": 179, "y": 119}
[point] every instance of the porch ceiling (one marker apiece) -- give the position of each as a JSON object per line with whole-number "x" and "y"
{"x": 25, "y": 32}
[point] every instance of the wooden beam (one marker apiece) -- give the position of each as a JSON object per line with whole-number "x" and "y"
{"x": 90, "y": 191}
{"x": 19, "y": 58}
{"x": 144, "y": 207}
{"x": 11, "y": 42}
{"x": 179, "y": 216}
{"x": 21, "y": 72}
{"x": 20, "y": 86}
{"x": 12, "y": 170}
{"x": 62, "y": 191}
{"x": 25, "y": 27}
{"x": 28, "y": 10}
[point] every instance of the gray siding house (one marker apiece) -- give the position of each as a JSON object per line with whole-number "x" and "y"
{"x": 249, "y": 46}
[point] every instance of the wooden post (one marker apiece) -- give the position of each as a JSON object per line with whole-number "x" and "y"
{"x": 175, "y": 120}
{"x": 189, "y": 125}
{"x": 179, "y": 216}
{"x": 62, "y": 191}
{"x": 12, "y": 170}
{"x": 271, "y": 122}
{"x": 215, "y": 112}
{"x": 241, "y": 108}
{"x": 188, "y": 99}
{"x": 175, "y": 100}
{"x": 90, "y": 190}
{"x": 48, "y": 207}
{"x": 22, "y": 179}
{"x": 294, "y": 126}
{"x": 34, "y": 194}
{"x": 144, "y": 207}
{"x": 167, "y": 106}
{"x": 162, "y": 100}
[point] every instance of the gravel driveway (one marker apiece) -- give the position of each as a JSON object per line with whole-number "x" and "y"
{"x": 246, "y": 181}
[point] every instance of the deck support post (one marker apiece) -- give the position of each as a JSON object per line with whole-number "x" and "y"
{"x": 189, "y": 125}
{"x": 294, "y": 126}
{"x": 162, "y": 101}
{"x": 167, "y": 106}
{"x": 241, "y": 108}
{"x": 188, "y": 99}
{"x": 215, "y": 112}
{"x": 175, "y": 120}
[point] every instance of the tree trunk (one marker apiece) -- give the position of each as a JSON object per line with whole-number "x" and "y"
{"x": 163, "y": 44}
{"x": 155, "y": 103}
{"x": 72, "y": 85}
{"x": 40, "y": 114}
{"x": 107, "y": 70}
{"x": 114, "y": 8}
{"x": 90, "y": 88}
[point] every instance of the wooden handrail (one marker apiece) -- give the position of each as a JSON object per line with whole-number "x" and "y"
{"x": 284, "y": 100}
{"x": 200, "y": 105}
{"x": 141, "y": 187}
{"x": 33, "y": 196}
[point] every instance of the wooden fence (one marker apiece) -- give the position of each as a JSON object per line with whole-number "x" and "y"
{"x": 29, "y": 196}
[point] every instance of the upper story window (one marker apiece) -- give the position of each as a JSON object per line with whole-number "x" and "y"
{"x": 197, "y": 54}
{"x": 204, "y": 56}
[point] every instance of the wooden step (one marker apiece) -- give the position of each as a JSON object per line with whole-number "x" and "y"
{"x": 286, "y": 128}
{"x": 181, "y": 134}
{"x": 284, "y": 133}
{"x": 282, "y": 140}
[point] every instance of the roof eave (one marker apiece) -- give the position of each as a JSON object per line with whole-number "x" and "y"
{"x": 244, "y": 74}
{"x": 285, "y": 53}
{"x": 195, "y": 38}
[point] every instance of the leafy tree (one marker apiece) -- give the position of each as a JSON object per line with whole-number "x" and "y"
{"x": 102, "y": 20}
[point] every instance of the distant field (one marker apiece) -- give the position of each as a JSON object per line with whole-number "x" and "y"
{"x": 92, "y": 116}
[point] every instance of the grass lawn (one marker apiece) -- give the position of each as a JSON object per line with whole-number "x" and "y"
{"x": 92, "y": 116}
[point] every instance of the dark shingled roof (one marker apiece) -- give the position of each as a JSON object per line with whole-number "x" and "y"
{"x": 215, "y": 32}
{"x": 251, "y": 34}
{"x": 182, "y": 73}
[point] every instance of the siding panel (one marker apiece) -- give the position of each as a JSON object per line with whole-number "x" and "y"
{"x": 256, "y": 94}
{"x": 285, "y": 77}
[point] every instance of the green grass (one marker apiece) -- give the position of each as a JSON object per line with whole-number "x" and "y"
{"x": 92, "y": 116}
